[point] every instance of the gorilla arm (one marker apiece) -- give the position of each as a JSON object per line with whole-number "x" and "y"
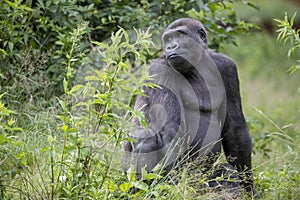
{"x": 236, "y": 140}
{"x": 162, "y": 111}
{"x": 159, "y": 106}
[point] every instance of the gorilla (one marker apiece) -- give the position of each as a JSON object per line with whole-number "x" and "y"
{"x": 195, "y": 110}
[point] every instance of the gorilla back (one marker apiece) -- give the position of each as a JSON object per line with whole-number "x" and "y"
{"x": 197, "y": 108}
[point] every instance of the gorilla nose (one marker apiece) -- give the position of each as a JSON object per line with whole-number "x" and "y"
{"x": 171, "y": 47}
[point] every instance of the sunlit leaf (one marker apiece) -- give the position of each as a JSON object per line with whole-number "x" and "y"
{"x": 140, "y": 185}
{"x": 125, "y": 187}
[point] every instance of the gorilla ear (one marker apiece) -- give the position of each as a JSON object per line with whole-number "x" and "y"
{"x": 202, "y": 34}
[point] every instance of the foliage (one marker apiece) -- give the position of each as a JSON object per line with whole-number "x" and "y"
{"x": 271, "y": 107}
{"x": 276, "y": 157}
{"x": 277, "y": 173}
{"x": 280, "y": 182}
{"x": 91, "y": 119}
{"x": 286, "y": 32}
{"x": 8, "y": 141}
{"x": 35, "y": 34}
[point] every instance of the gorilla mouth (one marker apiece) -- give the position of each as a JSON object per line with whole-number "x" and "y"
{"x": 173, "y": 55}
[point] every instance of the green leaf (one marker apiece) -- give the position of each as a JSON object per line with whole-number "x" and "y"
{"x": 58, "y": 42}
{"x": 65, "y": 83}
{"x": 151, "y": 176}
{"x": 122, "y": 64}
{"x": 3, "y": 52}
{"x": 16, "y": 129}
{"x": 140, "y": 185}
{"x": 131, "y": 174}
{"x": 213, "y": 7}
{"x": 72, "y": 130}
{"x": 125, "y": 187}
{"x": 253, "y": 6}
{"x": 112, "y": 186}
{"x": 101, "y": 45}
{"x": 293, "y": 19}
{"x": 76, "y": 88}
{"x": 23, "y": 7}
{"x": 98, "y": 101}
{"x": 11, "y": 46}
{"x": 294, "y": 68}
{"x": 10, "y": 122}
{"x": 64, "y": 128}
{"x": 81, "y": 104}
{"x": 92, "y": 78}
{"x": 11, "y": 4}
{"x": 62, "y": 103}
{"x": 128, "y": 139}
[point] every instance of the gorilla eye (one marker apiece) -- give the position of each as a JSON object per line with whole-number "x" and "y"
{"x": 167, "y": 38}
{"x": 202, "y": 34}
{"x": 181, "y": 32}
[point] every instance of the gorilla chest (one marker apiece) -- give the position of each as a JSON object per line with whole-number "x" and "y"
{"x": 201, "y": 115}
{"x": 200, "y": 99}
{"x": 198, "y": 93}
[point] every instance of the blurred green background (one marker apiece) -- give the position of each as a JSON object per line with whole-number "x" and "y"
{"x": 263, "y": 65}
{"x": 271, "y": 100}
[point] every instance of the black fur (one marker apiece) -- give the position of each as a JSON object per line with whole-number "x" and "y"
{"x": 199, "y": 98}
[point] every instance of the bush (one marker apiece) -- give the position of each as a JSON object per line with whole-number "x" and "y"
{"x": 35, "y": 35}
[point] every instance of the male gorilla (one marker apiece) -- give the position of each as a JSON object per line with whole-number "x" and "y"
{"x": 195, "y": 110}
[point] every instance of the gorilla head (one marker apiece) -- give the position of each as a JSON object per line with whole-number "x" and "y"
{"x": 184, "y": 43}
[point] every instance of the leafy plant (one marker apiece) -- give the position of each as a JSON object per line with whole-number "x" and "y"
{"x": 287, "y": 33}
{"x": 99, "y": 117}
{"x": 34, "y": 36}
{"x": 94, "y": 115}
{"x": 9, "y": 141}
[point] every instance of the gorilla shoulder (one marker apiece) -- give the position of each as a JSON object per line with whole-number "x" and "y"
{"x": 224, "y": 62}
{"x": 158, "y": 65}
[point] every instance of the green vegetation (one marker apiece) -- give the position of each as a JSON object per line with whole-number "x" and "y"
{"x": 67, "y": 94}
{"x": 269, "y": 83}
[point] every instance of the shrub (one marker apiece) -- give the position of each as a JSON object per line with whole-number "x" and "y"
{"x": 35, "y": 34}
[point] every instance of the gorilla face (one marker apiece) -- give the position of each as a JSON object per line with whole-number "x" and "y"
{"x": 184, "y": 47}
